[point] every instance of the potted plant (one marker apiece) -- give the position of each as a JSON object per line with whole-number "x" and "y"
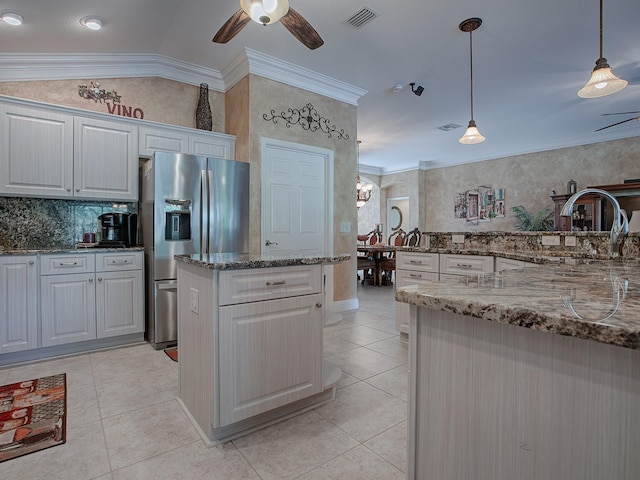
{"x": 523, "y": 220}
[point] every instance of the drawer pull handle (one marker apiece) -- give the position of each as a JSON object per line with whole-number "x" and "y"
{"x": 416, "y": 261}
{"x": 119, "y": 262}
{"x": 319, "y": 305}
{"x": 415, "y": 275}
{"x": 91, "y": 280}
{"x": 279, "y": 282}
{"x": 464, "y": 265}
{"x": 64, "y": 264}
{"x": 31, "y": 262}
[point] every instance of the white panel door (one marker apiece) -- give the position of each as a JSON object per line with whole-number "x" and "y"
{"x": 105, "y": 159}
{"x": 36, "y": 152}
{"x": 18, "y": 303}
{"x": 68, "y": 308}
{"x": 119, "y": 298}
{"x": 296, "y": 212}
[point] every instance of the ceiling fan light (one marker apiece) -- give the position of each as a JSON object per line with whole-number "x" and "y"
{"x": 602, "y": 82}
{"x": 472, "y": 135}
{"x": 265, "y": 12}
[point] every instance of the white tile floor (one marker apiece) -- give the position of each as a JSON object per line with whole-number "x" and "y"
{"x": 124, "y": 421}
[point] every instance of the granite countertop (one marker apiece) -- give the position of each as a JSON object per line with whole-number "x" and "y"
{"x": 592, "y": 299}
{"x": 237, "y": 261}
{"x": 69, "y": 249}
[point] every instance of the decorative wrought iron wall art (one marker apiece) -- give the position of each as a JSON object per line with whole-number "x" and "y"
{"x": 97, "y": 94}
{"x": 308, "y": 118}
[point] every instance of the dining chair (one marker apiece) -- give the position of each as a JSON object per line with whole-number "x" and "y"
{"x": 413, "y": 238}
{"x": 388, "y": 265}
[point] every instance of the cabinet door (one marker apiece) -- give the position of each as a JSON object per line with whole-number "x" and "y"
{"x": 270, "y": 355}
{"x": 105, "y": 159}
{"x": 212, "y": 145}
{"x": 119, "y": 303}
{"x": 68, "y": 308}
{"x": 18, "y": 303}
{"x": 152, "y": 139}
{"x": 404, "y": 278}
{"x": 36, "y": 152}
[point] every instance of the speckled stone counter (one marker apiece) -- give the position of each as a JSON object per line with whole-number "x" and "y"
{"x": 236, "y": 261}
{"x": 69, "y": 249}
{"x": 589, "y": 299}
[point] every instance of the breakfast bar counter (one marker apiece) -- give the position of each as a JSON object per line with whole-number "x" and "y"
{"x": 531, "y": 373}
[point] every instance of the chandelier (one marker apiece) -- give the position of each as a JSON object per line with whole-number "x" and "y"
{"x": 363, "y": 191}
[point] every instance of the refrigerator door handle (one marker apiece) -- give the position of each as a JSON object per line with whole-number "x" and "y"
{"x": 203, "y": 188}
{"x": 209, "y": 207}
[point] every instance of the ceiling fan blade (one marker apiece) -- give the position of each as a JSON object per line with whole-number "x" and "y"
{"x": 232, "y": 27}
{"x": 619, "y": 113}
{"x": 301, "y": 29}
{"x": 614, "y": 124}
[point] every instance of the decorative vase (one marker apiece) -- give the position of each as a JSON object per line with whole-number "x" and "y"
{"x": 204, "y": 120}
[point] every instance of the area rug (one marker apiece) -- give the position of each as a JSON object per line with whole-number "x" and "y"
{"x": 172, "y": 353}
{"x": 33, "y": 415}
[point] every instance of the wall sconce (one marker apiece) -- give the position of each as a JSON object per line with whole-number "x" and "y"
{"x": 417, "y": 90}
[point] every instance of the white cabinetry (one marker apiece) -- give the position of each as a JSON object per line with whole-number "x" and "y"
{"x": 511, "y": 264}
{"x": 68, "y": 298}
{"x": 49, "y": 153}
{"x": 105, "y": 159}
{"x": 250, "y": 343}
{"x": 176, "y": 140}
{"x": 18, "y": 303}
{"x": 84, "y": 301}
{"x": 413, "y": 268}
{"x": 119, "y": 294}
{"x": 36, "y": 152}
{"x": 455, "y": 264}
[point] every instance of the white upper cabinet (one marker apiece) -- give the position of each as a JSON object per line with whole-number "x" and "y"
{"x": 182, "y": 140}
{"x": 105, "y": 159}
{"x": 36, "y": 152}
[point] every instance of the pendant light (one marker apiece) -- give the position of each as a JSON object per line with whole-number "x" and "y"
{"x": 363, "y": 192}
{"x": 472, "y": 135}
{"x": 602, "y": 82}
{"x": 265, "y": 12}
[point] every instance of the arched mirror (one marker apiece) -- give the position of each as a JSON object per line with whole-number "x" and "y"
{"x": 395, "y": 218}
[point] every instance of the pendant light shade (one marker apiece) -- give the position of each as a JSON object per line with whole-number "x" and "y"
{"x": 602, "y": 82}
{"x": 472, "y": 135}
{"x": 265, "y": 12}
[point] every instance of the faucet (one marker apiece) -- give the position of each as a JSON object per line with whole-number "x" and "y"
{"x": 619, "y": 228}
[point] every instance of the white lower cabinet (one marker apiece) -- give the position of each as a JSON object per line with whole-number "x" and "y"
{"x": 269, "y": 355}
{"x": 413, "y": 268}
{"x": 18, "y": 303}
{"x": 103, "y": 297}
{"x": 68, "y": 308}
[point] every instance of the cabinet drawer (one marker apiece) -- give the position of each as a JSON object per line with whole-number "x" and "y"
{"x": 65, "y": 264}
{"x": 110, "y": 262}
{"x": 424, "y": 262}
{"x": 243, "y": 286}
{"x": 407, "y": 277}
{"x": 465, "y": 264}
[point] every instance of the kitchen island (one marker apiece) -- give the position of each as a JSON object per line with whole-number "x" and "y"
{"x": 526, "y": 373}
{"x": 250, "y": 340}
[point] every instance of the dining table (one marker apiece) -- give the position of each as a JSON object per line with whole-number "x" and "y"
{"x": 377, "y": 253}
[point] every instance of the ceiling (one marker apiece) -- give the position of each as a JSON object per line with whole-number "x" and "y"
{"x": 530, "y": 59}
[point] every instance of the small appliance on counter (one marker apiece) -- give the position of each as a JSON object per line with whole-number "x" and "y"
{"x": 118, "y": 230}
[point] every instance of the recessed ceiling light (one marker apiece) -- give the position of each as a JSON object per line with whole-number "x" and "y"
{"x": 93, "y": 23}
{"x": 12, "y": 18}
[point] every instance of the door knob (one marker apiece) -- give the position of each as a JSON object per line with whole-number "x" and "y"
{"x": 269, "y": 242}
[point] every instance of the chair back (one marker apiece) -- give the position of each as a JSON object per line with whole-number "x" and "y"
{"x": 398, "y": 238}
{"x": 374, "y": 237}
{"x": 413, "y": 237}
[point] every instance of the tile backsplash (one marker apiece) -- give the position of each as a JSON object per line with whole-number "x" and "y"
{"x": 32, "y": 223}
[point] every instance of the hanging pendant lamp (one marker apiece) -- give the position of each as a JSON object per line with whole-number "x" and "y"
{"x": 472, "y": 135}
{"x": 602, "y": 82}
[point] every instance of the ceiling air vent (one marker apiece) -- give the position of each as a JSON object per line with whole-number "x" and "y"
{"x": 449, "y": 126}
{"x": 362, "y": 17}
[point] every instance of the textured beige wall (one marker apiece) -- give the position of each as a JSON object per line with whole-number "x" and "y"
{"x": 528, "y": 180}
{"x": 237, "y": 118}
{"x": 267, "y": 95}
{"x": 403, "y": 184}
{"x": 161, "y": 100}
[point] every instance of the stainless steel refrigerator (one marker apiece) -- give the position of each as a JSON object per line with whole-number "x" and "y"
{"x": 188, "y": 205}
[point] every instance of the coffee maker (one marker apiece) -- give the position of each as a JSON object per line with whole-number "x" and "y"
{"x": 118, "y": 229}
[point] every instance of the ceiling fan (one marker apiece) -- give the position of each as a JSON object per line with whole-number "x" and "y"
{"x": 618, "y": 123}
{"x": 267, "y": 12}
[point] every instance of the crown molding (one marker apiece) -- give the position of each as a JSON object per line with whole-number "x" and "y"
{"x": 15, "y": 67}
{"x": 256, "y": 63}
